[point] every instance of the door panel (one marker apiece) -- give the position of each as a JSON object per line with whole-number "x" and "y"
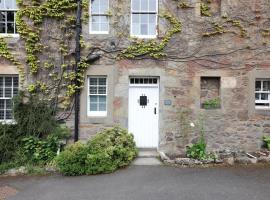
{"x": 143, "y": 115}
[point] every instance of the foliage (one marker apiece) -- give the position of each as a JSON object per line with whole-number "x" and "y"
{"x": 9, "y": 141}
{"x": 212, "y": 103}
{"x": 198, "y": 150}
{"x": 205, "y": 8}
{"x": 266, "y": 140}
{"x": 6, "y": 166}
{"x": 153, "y": 48}
{"x": 33, "y": 116}
{"x": 40, "y": 151}
{"x": 107, "y": 151}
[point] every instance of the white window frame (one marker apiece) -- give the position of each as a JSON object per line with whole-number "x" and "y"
{"x": 262, "y": 92}
{"x": 98, "y": 14}
{"x": 9, "y": 10}
{"x": 8, "y": 121}
{"x": 96, "y": 113}
{"x": 143, "y": 12}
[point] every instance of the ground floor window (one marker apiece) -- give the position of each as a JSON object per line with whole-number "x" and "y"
{"x": 97, "y": 96}
{"x": 262, "y": 94}
{"x": 8, "y": 89}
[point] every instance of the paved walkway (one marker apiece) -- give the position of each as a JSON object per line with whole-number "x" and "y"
{"x": 148, "y": 183}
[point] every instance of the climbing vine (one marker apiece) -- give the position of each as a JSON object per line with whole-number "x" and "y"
{"x": 205, "y": 8}
{"x": 225, "y": 27}
{"x": 153, "y": 48}
{"x": 5, "y": 53}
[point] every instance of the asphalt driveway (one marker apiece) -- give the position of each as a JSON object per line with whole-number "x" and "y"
{"x": 148, "y": 183}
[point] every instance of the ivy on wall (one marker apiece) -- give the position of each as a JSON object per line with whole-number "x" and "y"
{"x": 153, "y": 48}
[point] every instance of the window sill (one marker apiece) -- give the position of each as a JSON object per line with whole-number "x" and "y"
{"x": 97, "y": 114}
{"x": 144, "y": 36}
{"x": 98, "y": 32}
{"x": 5, "y": 35}
{"x": 11, "y": 121}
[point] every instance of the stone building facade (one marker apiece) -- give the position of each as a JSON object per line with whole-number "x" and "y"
{"x": 217, "y": 69}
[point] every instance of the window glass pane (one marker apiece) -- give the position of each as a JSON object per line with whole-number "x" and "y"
{"x": 10, "y": 17}
{"x": 103, "y": 19}
{"x": 144, "y": 5}
{"x": 144, "y": 29}
{"x": 102, "y": 81}
{"x": 93, "y": 81}
{"x": 135, "y": 18}
{"x": 15, "y": 82}
{"x": 266, "y": 85}
{"x": 95, "y": 27}
{"x": 102, "y": 90}
{"x": 152, "y": 18}
{"x": 93, "y": 90}
{"x": 94, "y": 6}
{"x": 102, "y": 99}
{"x": 15, "y": 91}
{"x": 8, "y": 92}
{"x": 1, "y": 92}
{"x": 10, "y": 28}
{"x": 135, "y": 5}
{"x": 9, "y": 114}
{"x": 2, "y": 104}
{"x": 102, "y": 107}
{"x": 103, "y": 6}
{"x": 104, "y": 27}
{"x": 8, "y": 81}
{"x": 3, "y": 15}
{"x": 2, "y": 112}
{"x": 95, "y": 19}
{"x": 264, "y": 96}
{"x": 152, "y": 5}
{"x": 93, "y": 99}
{"x": 152, "y": 29}
{"x": 8, "y": 104}
{"x": 1, "y": 81}
{"x": 2, "y": 5}
{"x": 93, "y": 107}
{"x": 257, "y": 96}
{"x": 144, "y": 18}
{"x": 258, "y": 85}
{"x": 2, "y": 28}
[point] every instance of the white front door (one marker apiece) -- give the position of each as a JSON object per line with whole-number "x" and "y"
{"x": 144, "y": 111}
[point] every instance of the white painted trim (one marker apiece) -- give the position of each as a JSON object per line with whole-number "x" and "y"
{"x": 96, "y": 113}
{"x": 90, "y": 22}
{"x": 149, "y": 12}
{"x": 9, "y": 35}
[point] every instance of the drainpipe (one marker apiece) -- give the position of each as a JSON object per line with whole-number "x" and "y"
{"x": 77, "y": 61}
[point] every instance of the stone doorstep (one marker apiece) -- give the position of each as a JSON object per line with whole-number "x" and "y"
{"x": 148, "y": 153}
{"x": 147, "y": 162}
{"x": 147, "y": 157}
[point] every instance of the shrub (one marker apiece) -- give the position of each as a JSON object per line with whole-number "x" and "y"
{"x": 107, "y": 151}
{"x": 9, "y": 141}
{"x": 40, "y": 151}
{"x": 33, "y": 116}
{"x": 197, "y": 150}
{"x": 266, "y": 140}
{"x": 71, "y": 161}
{"x": 212, "y": 103}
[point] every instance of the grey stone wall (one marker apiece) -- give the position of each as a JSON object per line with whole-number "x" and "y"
{"x": 236, "y": 125}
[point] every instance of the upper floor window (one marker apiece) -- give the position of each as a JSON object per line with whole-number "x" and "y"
{"x": 262, "y": 94}
{"x": 8, "y": 10}
{"x": 99, "y": 21}
{"x": 97, "y": 98}
{"x": 144, "y": 18}
{"x": 8, "y": 89}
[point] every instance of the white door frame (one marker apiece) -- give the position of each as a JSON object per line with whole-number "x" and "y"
{"x": 145, "y": 85}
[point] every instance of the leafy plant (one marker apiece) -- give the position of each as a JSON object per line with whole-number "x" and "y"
{"x": 198, "y": 150}
{"x": 266, "y": 140}
{"x": 33, "y": 116}
{"x": 109, "y": 150}
{"x": 212, "y": 103}
{"x": 40, "y": 151}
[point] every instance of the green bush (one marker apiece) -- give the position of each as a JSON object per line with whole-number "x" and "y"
{"x": 106, "y": 152}
{"x": 212, "y": 103}
{"x": 266, "y": 140}
{"x": 197, "y": 150}
{"x": 33, "y": 116}
{"x": 9, "y": 141}
{"x": 40, "y": 151}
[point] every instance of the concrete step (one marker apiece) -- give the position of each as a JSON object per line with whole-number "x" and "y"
{"x": 147, "y": 157}
{"x": 147, "y": 161}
